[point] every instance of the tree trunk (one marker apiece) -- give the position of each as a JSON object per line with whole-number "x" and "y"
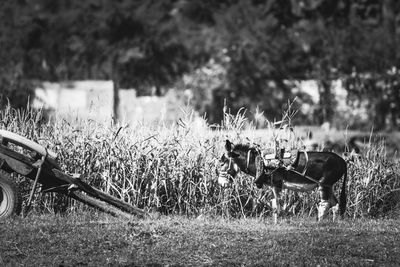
{"x": 326, "y": 102}
{"x": 115, "y": 100}
{"x": 115, "y": 79}
{"x": 389, "y": 23}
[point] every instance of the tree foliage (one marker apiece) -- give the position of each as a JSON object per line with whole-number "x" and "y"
{"x": 149, "y": 45}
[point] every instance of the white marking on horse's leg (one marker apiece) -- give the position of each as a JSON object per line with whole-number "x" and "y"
{"x": 275, "y": 207}
{"x": 323, "y": 209}
{"x": 275, "y": 204}
{"x": 335, "y": 211}
{"x": 326, "y": 199}
{"x": 334, "y": 205}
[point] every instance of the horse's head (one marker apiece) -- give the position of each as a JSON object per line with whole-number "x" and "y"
{"x": 237, "y": 158}
{"x": 227, "y": 171}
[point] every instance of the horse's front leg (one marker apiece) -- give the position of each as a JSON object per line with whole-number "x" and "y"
{"x": 275, "y": 203}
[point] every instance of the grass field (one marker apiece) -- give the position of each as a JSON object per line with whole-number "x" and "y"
{"x": 171, "y": 170}
{"x": 90, "y": 240}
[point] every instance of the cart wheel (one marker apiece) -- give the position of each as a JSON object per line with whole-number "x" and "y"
{"x": 10, "y": 202}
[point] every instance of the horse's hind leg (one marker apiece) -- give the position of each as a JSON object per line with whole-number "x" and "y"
{"x": 325, "y": 204}
{"x": 275, "y": 204}
{"x": 335, "y": 206}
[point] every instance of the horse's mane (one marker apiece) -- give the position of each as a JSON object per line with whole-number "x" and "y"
{"x": 243, "y": 147}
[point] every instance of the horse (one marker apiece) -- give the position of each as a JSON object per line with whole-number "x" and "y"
{"x": 310, "y": 170}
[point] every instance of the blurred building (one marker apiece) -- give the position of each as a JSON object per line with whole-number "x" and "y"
{"x": 94, "y": 100}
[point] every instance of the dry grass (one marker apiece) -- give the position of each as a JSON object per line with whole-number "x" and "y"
{"x": 83, "y": 240}
{"x": 171, "y": 168}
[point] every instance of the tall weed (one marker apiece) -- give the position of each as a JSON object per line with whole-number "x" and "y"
{"x": 171, "y": 168}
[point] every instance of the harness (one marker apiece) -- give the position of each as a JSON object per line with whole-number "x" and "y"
{"x": 247, "y": 160}
{"x": 257, "y": 150}
{"x": 280, "y": 158}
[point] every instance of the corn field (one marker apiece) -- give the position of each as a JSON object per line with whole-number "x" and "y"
{"x": 172, "y": 168}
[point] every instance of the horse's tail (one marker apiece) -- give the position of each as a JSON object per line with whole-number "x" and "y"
{"x": 342, "y": 197}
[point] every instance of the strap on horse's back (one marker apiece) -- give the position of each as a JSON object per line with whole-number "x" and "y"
{"x": 306, "y": 163}
{"x": 303, "y": 173}
{"x": 287, "y": 160}
{"x": 295, "y": 163}
{"x": 267, "y": 159}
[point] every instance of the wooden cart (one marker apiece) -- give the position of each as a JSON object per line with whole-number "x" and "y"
{"x": 40, "y": 165}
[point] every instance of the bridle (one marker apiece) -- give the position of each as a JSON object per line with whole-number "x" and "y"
{"x": 247, "y": 158}
{"x": 259, "y": 152}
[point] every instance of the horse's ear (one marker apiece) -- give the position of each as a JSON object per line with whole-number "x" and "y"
{"x": 228, "y": 145}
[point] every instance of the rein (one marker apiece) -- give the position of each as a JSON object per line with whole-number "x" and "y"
{"x": 249, "y": 155}
{"x": 248, "y": 159}
{"x": 230, "y": 163}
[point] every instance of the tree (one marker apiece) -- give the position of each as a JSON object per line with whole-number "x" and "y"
{"x": 135, "y": 43}
{"x": 261, "y": 55}
{"x": 263, "y": 46}
{"x": 372, "y": 69}
{"x": 14, "y": 88}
